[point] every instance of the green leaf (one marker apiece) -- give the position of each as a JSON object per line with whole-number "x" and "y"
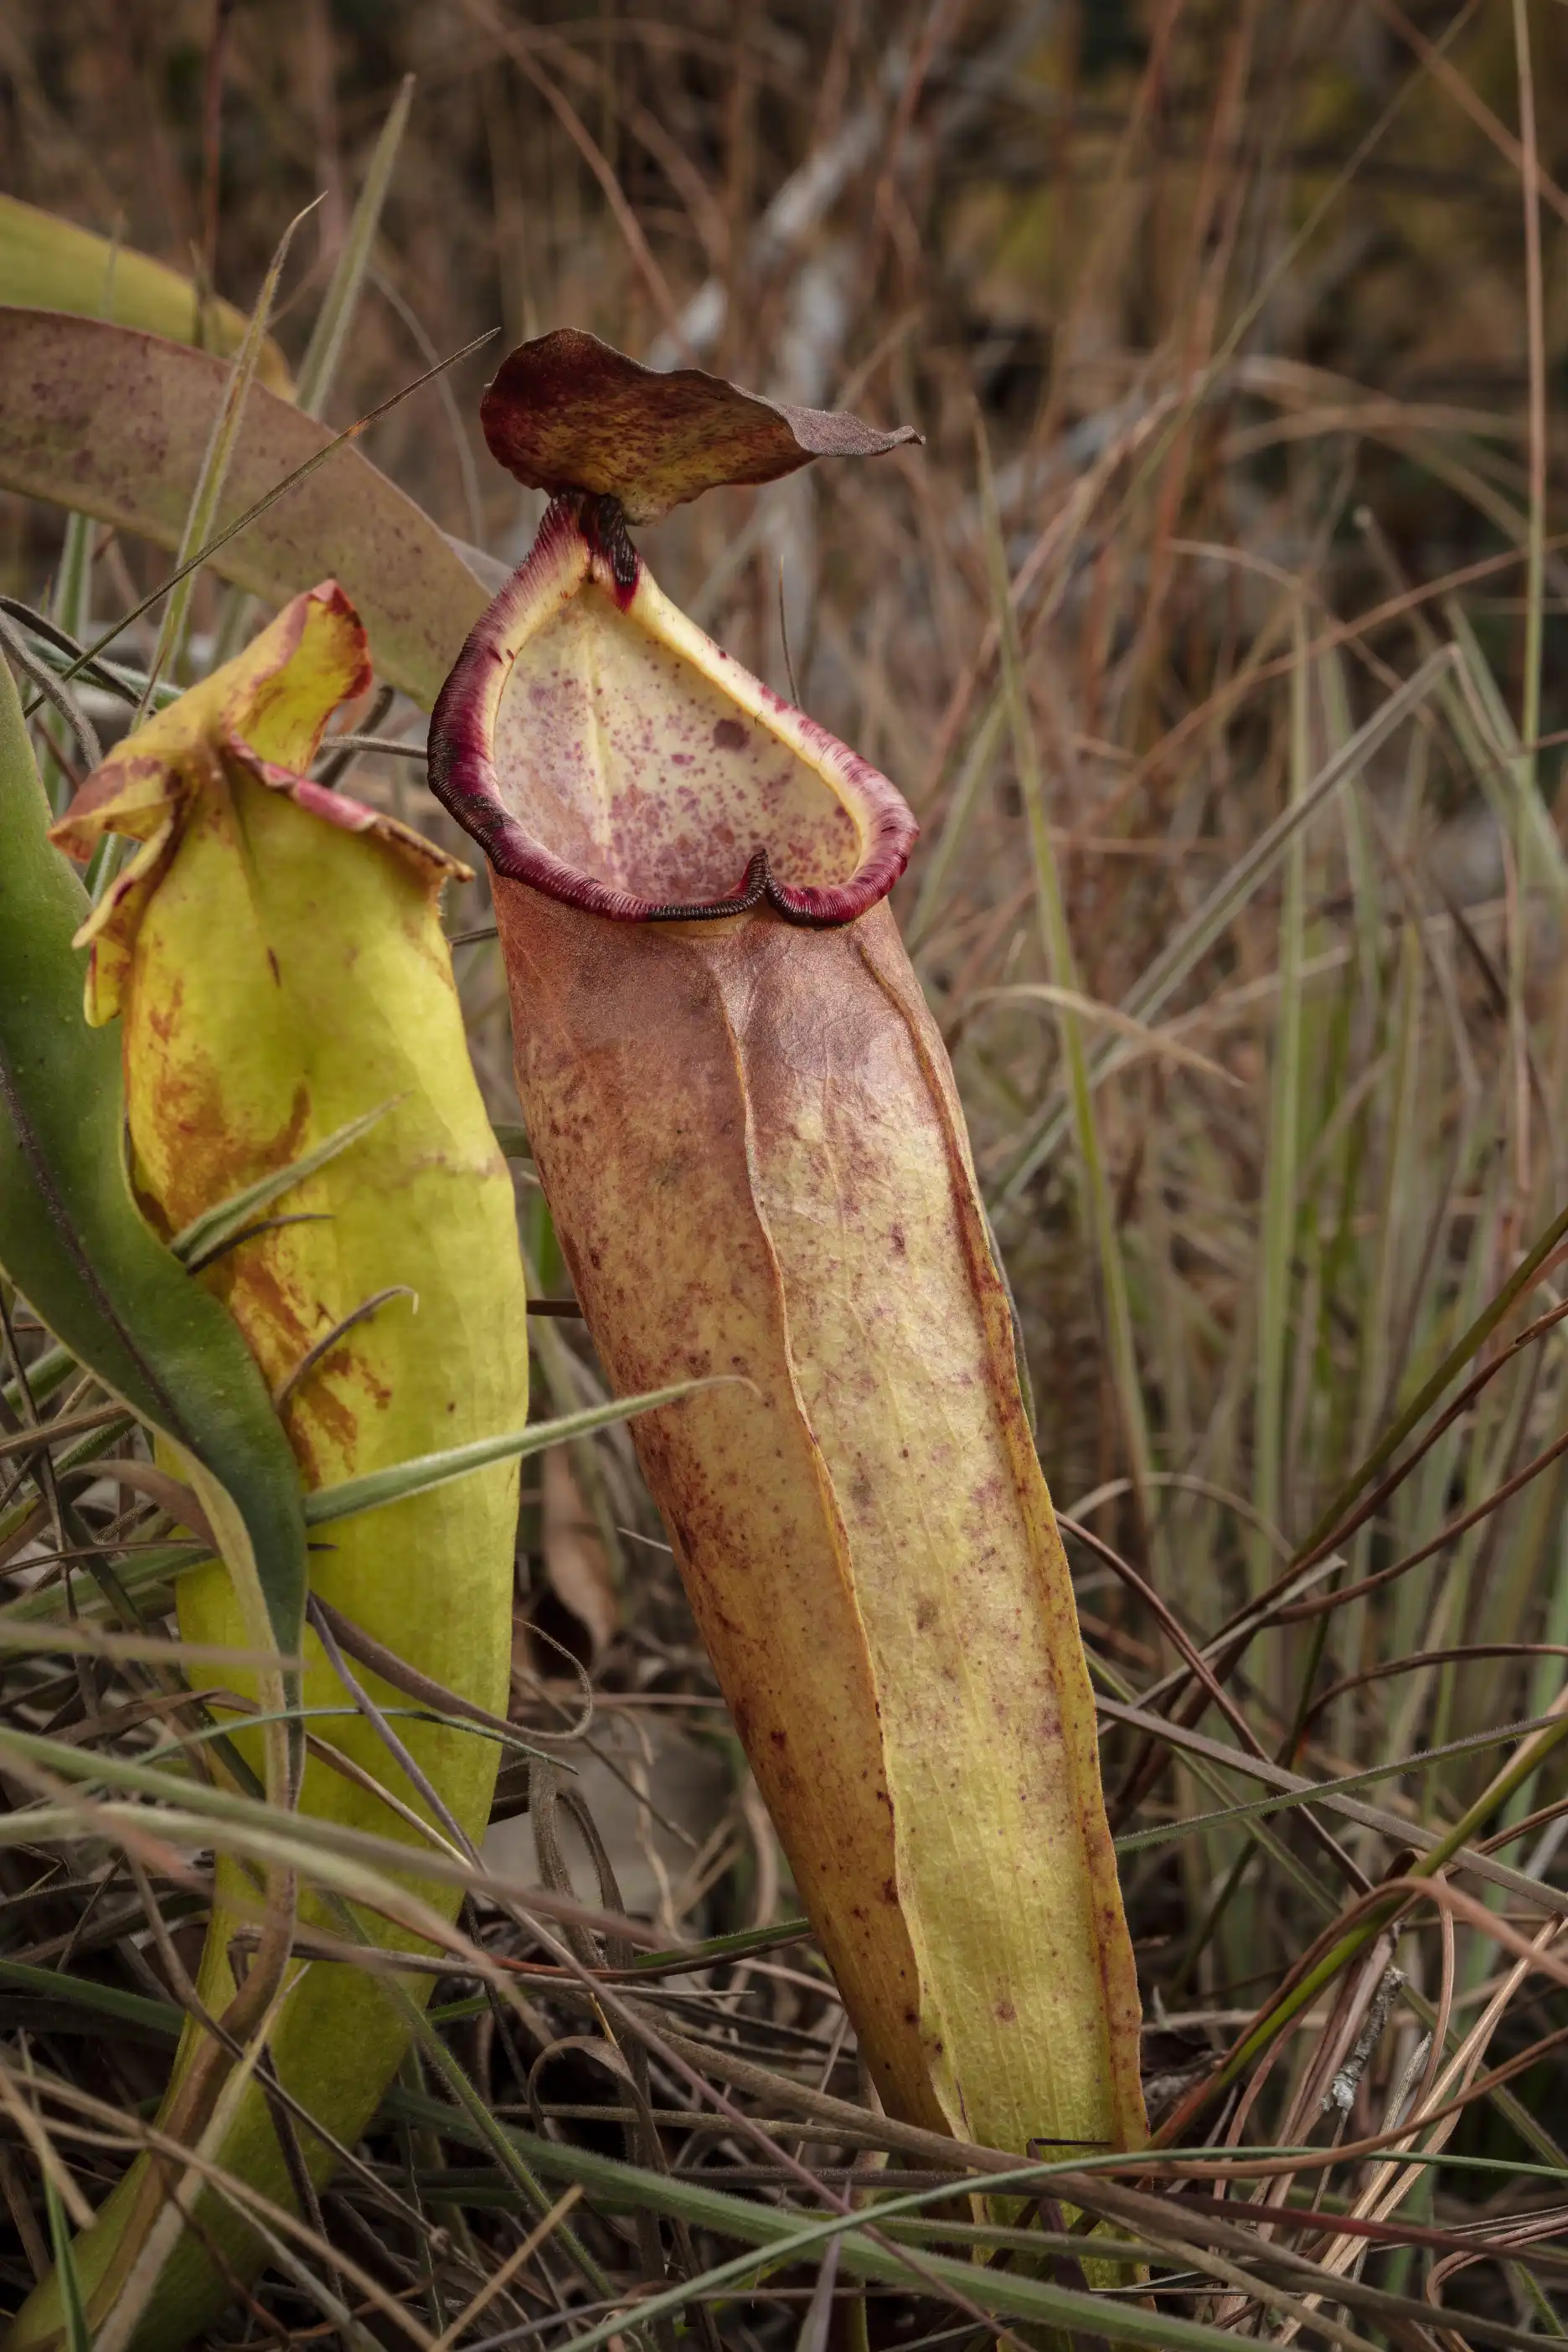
{"x": 76, "y": 1244}
{"x": 395, "y": 1484}
{"x": 53, "y": 263}
{"x": 114, "y": 424}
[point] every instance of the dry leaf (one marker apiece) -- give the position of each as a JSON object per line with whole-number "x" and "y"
{"x": 570, "y": 413}
{"x": 574, "y": 1557}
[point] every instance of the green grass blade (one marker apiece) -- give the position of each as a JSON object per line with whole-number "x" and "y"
{"x": 378, "y": 1488}
{"x": 938, "y": 864}
{"x": 209, "y": 1233}
{"x": 736, "y": 1947}
{"x": 1325, "y": 1791}
{"x": 334, "y": 323}
{"x": 491, "y": 2132}
{"x": 1183, "y": 953}
{"x": 1474, "y": 1337}
{"x": 785, "y": 2236}
{"x": 1532, "y": 1754}
{"x": 47, "y": 1374}
{"x": 1277, "y": 1234}
{"x": 143, "y": 1574}
{"x": 72, "y": 608}
{"x": 1061, "y": 966}
{"x": 209, "y": 488}
{"x": 1506, "y": 769}
{"x": 78, "y": 400}
{"x": 108, "y": 2001}
{"x": 73, "y": 2304}
{"x": 66, "y": 657}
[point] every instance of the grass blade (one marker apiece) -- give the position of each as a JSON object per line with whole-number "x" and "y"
{"x": 1061, "y": 966}
{"x": 1277, "y": 1233}
{"x": 938, "y": 864}
{"x": 204, "y": 1235}
{"x": 72, "y": 609}
{"x": 213, "y": 474}
{"x": 334, "y": 321}
{"x": 73, "y": 2306}
{"x": 379, "y": 1487}
{"x": 1183, "y": 953}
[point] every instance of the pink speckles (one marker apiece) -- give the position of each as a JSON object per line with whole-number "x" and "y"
{"x": 627, "y": 764}
{"x": 605, "y": 752}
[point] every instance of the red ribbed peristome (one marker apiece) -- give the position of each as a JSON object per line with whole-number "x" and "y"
{"x": 565, "y": 556}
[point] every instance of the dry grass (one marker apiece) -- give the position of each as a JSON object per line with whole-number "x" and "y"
{"x": 1256, "y": 312}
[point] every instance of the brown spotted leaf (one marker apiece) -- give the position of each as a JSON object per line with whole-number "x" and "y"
{"x": 113, "y": 423}
{"x": 570, "y": 413}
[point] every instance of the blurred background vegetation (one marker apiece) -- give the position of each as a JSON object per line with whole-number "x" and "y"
{"x": 1237, "y": 334}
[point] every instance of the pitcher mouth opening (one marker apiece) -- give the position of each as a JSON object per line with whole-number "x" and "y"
{"x": 603, "y": 750}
